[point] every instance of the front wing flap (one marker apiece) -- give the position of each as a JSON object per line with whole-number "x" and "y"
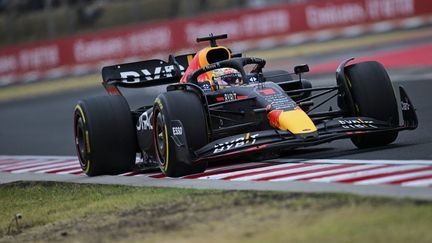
{"x": 276, "y": 140}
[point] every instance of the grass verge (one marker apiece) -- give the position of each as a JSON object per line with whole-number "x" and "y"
{"x": 105, "y": 213}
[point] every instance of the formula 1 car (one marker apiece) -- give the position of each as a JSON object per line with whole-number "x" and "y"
{"x": 202, "y": 118}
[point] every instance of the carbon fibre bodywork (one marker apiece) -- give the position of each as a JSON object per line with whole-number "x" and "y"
{"x": 239, "y": 119}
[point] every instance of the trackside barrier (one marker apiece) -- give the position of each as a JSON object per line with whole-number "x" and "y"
{"x": 247, "y": 29}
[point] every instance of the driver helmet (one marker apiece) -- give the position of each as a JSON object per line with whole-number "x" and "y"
{"x": 226, "y": 77}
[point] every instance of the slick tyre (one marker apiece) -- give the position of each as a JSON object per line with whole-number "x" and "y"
{"x": 186, "y": 107}
{"x": 373, "y": 96}
{"x": 105, "y": 137}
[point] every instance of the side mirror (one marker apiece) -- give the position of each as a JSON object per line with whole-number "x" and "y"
{"x": 303, "y": 68}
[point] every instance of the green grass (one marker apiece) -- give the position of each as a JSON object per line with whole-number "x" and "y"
{"x": 45, "y": 202}
{"x": 73, "y": 212}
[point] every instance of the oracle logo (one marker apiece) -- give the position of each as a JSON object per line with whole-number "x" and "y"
{"x": 147, "y": 74}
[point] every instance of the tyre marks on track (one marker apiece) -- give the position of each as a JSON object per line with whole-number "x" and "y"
{"x": 411, "y": 173}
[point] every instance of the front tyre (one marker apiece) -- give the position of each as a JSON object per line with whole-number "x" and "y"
{"x": 105, "y": 137}
{"x": 184, "y": 107}
{"x": 373, "y": 96}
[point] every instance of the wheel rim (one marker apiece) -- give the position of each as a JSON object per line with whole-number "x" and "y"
{"x": 160, "y": 138}
{"x": 81, "y": 142}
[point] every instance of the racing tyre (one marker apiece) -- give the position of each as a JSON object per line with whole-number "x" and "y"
{"x": 184, "y": 107}
{"x": 373, "y": 96}
{"x": 105, "y": 137}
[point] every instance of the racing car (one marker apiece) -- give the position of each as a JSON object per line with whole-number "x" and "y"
{"x": 213, "y": 110}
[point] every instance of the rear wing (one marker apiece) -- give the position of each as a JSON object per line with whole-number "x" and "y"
{"x": 145, "y": 73}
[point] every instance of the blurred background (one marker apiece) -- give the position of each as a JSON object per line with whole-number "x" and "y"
{"x": 30, "y": 20}
{"x": 43, "y": 39}
{"x": 24, "y": 21}
{"x": 52, "y": 51}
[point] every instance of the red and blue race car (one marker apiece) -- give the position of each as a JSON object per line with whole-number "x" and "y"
{"x": 213, "y": 109}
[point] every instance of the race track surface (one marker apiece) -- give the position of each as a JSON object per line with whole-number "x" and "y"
{"x": 392, "y": 178}
{"x": 42, "y": 126}
{"x": 411, "y": 173}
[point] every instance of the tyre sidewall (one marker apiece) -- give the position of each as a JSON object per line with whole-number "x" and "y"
{"x": 373, "y": 96}
{"x": 186, "y": 107}
{"x": 110, "y": 135}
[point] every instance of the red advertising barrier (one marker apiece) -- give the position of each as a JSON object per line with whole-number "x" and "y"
{"x": 83, "y": 53}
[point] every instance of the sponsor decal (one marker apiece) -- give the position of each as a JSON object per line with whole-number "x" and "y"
{"x": 268, "y": 91}
{"x": 252, "y": 24}
{"x": 211, "y": 66}
{"x": 147, "y": 74}
{"x": 351, "y": 12}
{"x": 334, "y": 14}
{"x": 356, "y": 123}
{"x": 276, "y": 98}
{"x": 205, "y": 86}
{"x": 405, "y": 106}
{"x": 273, "y": 117}
{"x": 230, "y": 96}
{"x": 236, "y": 143}
{"x": 144, "y": 121}
{"x": 122, "y": 44}
{"x": 8, "y": 63}
{"x": 177, "y": 131}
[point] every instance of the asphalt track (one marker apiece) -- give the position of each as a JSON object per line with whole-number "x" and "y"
{"x": 42, "y": 125}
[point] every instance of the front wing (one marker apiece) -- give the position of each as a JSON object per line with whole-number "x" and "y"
{"x": 276, "y": 140}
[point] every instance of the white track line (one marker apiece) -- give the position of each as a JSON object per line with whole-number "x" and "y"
{"x": 70, "y": 171}
{"x": 381, "y": 162}
{"x": 46, "y": 166}
{"x": 223, "y": 169}
{"x": 387, "y": 179}
{"x": 74, "y": 165}
{"x": 33, "y": 164}
{"x": 320, "y": 173}
{"x": 22, "y": 157}
{"x": 258, "y": 176}
{"x": 424, "y": 182}
{"x": 234, "y": 166}
{"x": 23, "y": 162}
{"x": 224, "y": 175}
{"x": 281, "y": 170}
{"x": 367, "y": 173}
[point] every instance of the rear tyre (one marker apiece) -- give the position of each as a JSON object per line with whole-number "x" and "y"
{"x": 373, "y": 96}
{"x": 105, "y": 137}
{"x": 186, "y": 107}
